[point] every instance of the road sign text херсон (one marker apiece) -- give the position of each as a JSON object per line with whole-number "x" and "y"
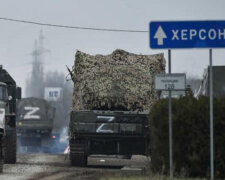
{"x": 187, "y": 34}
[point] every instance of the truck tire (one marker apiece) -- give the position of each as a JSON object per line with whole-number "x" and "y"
{"x": 1, "y": 156}
{"x": 124, "y": 156}
{"x": 10, "y": 147}
{"x": 78, "y": 154}
{"x": 1, "y": 164}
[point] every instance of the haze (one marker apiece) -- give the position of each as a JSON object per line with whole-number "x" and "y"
{"x": 17, "y": 39}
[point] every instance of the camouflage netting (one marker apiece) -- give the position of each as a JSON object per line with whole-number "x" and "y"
{"x": 119, "y": 81}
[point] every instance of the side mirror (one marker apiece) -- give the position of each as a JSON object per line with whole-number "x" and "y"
{"x": 18, "y": 92}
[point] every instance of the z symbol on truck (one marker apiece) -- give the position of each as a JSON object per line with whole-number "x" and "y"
{"x": 30, "y": 114}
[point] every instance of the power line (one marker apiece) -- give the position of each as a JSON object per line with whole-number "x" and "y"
{"x": 73, "y": 27}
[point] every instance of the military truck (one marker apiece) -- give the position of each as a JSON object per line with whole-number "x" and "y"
{"x": 107, "y": 132}
{"x": 10, "y": 94}
{"x": 35, "y": 124}
{"x": 3, "y": 111}
{"x": 111, "y": 101}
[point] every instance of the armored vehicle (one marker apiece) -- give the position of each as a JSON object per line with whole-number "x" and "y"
{"x": 112, "y": 97}
{"x": 10, "y": 93}
{"x": 35, "y": 123}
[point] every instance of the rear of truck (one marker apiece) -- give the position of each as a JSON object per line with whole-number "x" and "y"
{"x": 34, "y": 123}
{"x": 110, "y": 97}
{"x": 107, "y": 133}
{"x": 14, "y": 93}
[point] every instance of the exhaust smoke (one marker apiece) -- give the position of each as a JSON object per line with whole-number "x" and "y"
{"x": 35, "y": 87}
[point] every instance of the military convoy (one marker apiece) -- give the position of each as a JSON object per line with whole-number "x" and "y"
{"x": 111, "y": 101}
{"x": 9, "y": 94}
{"x": 35, "y": 124}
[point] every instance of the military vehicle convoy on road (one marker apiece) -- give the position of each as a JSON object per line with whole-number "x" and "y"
{"x": 9, "y": 93}
{"x": 111, "y": 100}
{"x": 35, "y": 124}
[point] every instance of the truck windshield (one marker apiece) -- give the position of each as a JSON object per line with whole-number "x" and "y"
{"x": 3, "y": 93}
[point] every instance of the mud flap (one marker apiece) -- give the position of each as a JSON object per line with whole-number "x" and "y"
{"x": 1, "y": 155}
{"x": 78, "y": 153}
{"x": 10, "y": 146}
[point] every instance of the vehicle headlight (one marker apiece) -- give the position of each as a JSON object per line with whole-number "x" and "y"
{"x": 2, "y": 118}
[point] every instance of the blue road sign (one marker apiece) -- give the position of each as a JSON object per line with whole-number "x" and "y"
{"x": 187, "y": 34}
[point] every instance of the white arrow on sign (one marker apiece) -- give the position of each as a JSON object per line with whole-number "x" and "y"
{"x": 160, "y": 35}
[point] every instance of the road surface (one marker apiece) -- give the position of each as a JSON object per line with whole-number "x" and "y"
{"x": 57, "y": 167}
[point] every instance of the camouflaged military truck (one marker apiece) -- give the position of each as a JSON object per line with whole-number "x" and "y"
{"x": 111, "y": 100}
{"x": 9, "y": 93}
{"x": 34, "y": 124}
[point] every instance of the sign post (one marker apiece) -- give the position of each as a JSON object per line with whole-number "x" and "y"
{"x": 53, "y": 93}
{"x": 190, "y": 34}
{"x": 187, "y": 34}
{"x": 170, "y": 121}
{"x": 170, "y": 82}
{"x": 211, "y": 116}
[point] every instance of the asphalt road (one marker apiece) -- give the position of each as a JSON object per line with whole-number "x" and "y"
{"x": 57, "y": 167}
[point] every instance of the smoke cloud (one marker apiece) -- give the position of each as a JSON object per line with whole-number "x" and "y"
{"x": 38, "y": 81}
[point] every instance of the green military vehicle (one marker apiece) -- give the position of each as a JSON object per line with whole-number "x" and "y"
{"x": 3, "y": 111}
{"x": 9, "y": 93}
{"x": 35, "y": 118}
{"x": 112, "y": 98}
{"x": 108, "y": 133}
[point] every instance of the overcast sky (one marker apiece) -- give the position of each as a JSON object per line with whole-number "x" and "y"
{"x": 17, "y": 39}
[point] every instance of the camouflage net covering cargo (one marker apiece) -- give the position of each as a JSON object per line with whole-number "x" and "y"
{"x": 119, "y": 81}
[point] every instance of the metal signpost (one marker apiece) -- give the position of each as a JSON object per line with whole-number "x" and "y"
{"x": 170, "y": 82}
{"x": 170, "y": 121}
{"x": 189, "y": 34}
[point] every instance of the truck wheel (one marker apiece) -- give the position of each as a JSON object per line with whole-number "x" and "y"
{"x": 10, "y": 148}
{"x": 1, "y": 165}
{"x": 78, "y": 155}
{"x": 78, "y": 159}
{"x": 124, "y": 156}
{"x": 1, "y": 156}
